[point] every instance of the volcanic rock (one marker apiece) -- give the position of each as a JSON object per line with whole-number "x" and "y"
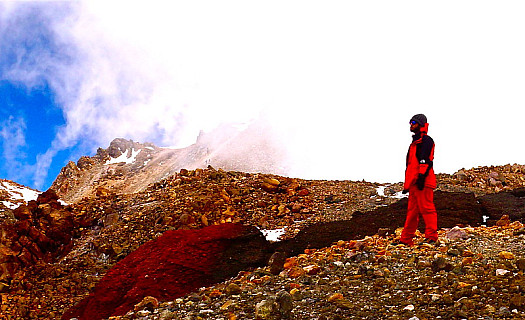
{"x": 276, "y": 262}
{"x": 375, "y": 278}
{"x": 454, "y": 209}
{"x": 43, "y": 231}
{"x": 173, "y": 265}
{"x": 507, "y": 203}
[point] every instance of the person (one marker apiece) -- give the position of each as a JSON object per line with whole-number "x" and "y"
{"x": 420, "y": 182}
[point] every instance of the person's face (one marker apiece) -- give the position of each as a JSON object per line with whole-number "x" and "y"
{"x": 414, "y": 126}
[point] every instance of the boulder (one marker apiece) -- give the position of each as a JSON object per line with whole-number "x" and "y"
{"x": 42, "y": 232}
{"x": 511, "y": 203}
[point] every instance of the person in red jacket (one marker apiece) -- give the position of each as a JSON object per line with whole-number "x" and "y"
{"x": 420, "y": 182}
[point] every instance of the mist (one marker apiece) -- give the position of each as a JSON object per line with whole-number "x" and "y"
{"x": 335, "y": 84}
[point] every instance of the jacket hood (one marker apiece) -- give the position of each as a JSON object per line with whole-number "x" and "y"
{"x": 424, "y": 128}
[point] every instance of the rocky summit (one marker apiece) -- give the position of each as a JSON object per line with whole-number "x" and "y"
{"x": 127, "y": 166}
{"x": 190, "y": 244}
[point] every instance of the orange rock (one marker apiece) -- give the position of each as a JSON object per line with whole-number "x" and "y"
{"x": 312, "y": 269}
{"x": 463, "y": 284}
{"x": 290, "y": 262}
{"x": 229, "y": 211}
{"x": 296, "y": 207}
{"x": 506, "y": 255}
{"x": 283, "y": 210}
{"x": 381, "y": 252}
{"x": 204, "y": 220}
{"x": 215, "y": 293}
{"x": 467, "y": 253}
{"x": 303, "y": 192}
{"x": 294, "y": 285}
{"x": 271, "y": 181}
{"x": 148, "y": 303}
{"x": 296, "y": 272}
{"x": 503, "y": 221}
{"x": 335, "y": 296}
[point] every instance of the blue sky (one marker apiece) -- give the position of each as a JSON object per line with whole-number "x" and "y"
{"x": 27, "y": 131}
{"x": 336, "y": 82}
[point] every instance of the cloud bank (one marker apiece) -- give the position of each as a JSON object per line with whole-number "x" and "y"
{"x": 337, "y": 81}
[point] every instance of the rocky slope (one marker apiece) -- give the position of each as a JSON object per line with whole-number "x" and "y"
{"x": 61, "y": 253}
{"x": 127, "y": 166}
{"x": 12, "y": 195}
{"x": 475, "y": 273}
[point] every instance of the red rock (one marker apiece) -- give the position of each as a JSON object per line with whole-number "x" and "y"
{"x": 22, "y": 213}
{"x": 303, "y": 192}
{"x": 47, "y": 197}
{"x": 176, "y": 263}
{"x": 296, "y": 208}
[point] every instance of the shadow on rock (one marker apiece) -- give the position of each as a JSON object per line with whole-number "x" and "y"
{"x": 454, "y": 208}
{"x": 511, "y": 203}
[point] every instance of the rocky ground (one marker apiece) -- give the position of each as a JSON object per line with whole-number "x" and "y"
{"x": 355, "y": 278}
{"x": 474, "y": 273}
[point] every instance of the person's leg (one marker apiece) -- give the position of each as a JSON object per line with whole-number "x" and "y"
{"x": 428, "y": 211}
{"x": 412, "y": 219}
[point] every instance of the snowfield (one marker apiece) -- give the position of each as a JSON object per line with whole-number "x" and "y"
{"x": 17, "y": 192}
{"x": 124, "y": 157}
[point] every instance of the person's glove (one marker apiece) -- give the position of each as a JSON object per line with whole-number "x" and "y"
{"x": 420, "y": 182}
{"x": 405, "y": 191}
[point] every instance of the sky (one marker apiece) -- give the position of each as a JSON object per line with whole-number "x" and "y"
{"x": 335, "y": 81}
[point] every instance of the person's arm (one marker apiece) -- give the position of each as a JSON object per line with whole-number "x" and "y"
{"x": 424, "y": 158}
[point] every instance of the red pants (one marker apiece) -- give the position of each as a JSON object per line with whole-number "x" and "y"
{"x": 420, "y": 202}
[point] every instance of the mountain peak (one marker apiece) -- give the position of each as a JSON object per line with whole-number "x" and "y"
{"x": 127, "y": 166}
{"x": 120, "y": 146}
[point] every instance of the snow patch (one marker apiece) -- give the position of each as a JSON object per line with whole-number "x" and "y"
{"x": 18, "y": 193}
{"x": 273, "y": 235}
{"x": 124, "y": 157}
{"x": 10, "y": 205}
{"x": 398, "y": 195}
{"x": 381, "y": 191}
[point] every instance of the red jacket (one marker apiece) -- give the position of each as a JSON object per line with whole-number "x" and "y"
{"x": 420, "y": 159}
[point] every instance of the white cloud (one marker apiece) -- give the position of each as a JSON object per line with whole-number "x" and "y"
{"x": 12, "y": 133}
{"x": 338, "y": 80}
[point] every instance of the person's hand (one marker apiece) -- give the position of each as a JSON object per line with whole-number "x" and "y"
{"x": 405, "y": 191}
{"x": 420, "y": 182}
